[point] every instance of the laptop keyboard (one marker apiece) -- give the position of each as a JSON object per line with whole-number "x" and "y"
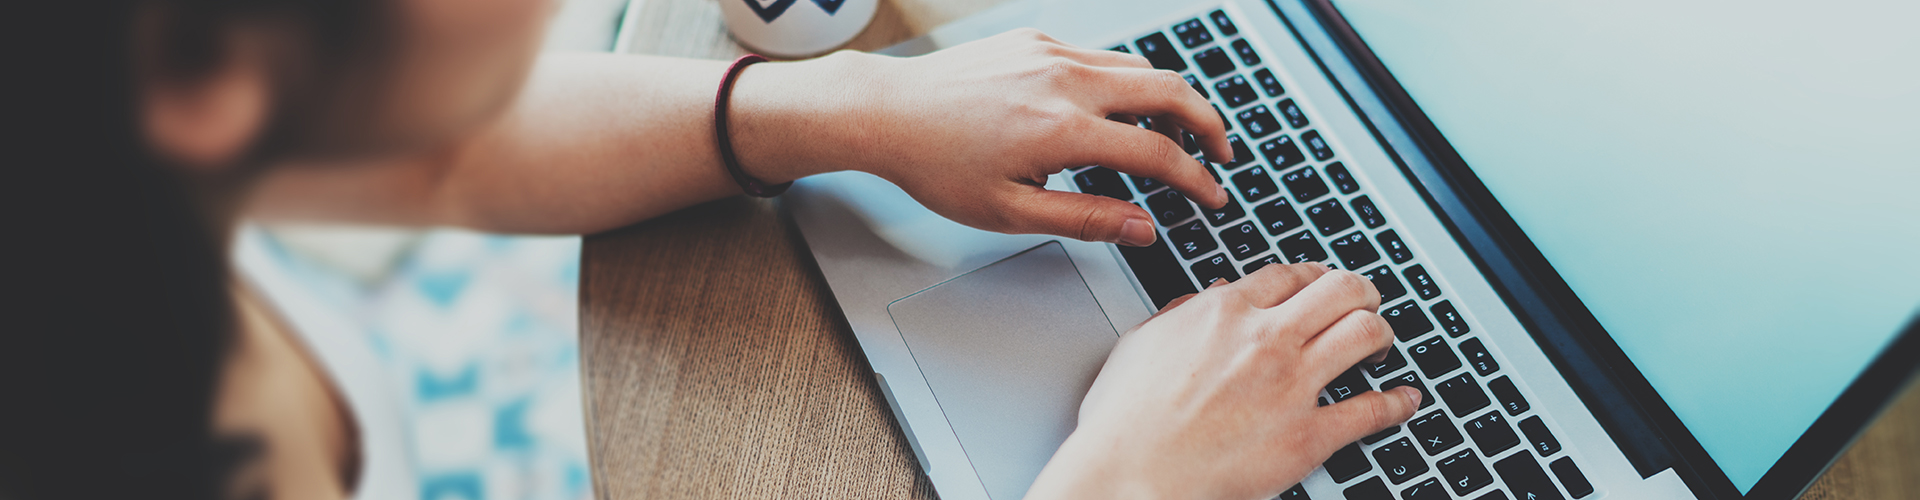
{"x": 1295, "y": 201}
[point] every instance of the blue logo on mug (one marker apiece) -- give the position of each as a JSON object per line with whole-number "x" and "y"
{"x": 773, "y": 10}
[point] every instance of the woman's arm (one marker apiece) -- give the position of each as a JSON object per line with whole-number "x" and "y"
{"x": 595, "y": 142}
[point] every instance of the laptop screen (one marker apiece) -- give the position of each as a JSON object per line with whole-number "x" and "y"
{"x": 1729, "y": 186}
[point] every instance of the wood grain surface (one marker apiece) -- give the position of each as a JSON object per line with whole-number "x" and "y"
{"x": 716, "y": 364}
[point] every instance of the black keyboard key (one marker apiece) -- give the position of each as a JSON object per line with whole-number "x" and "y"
{"x": 1263, "y": 261}
{"x": 1570, "y": 476}
{"x": 1318, "y": 145}
{"x": 1169, "y": 207}
{"x": 1197, "y": 88}
{"x": 1103, "y": 182}
{"x": 1491, "y": 433}
{"x": 1429, "y": 489}
{"x": 1212, "y": 268}
{"x": 1145, "y": 184}
{"x": 1324, "y": 402}
{"x": 1295, "y": 117}
{"x": 1464, "y": 472}
{"x": 1227, "y": 214}
{"x": 1192, "y": 33}
{"x": 1370, "y": 489}
{"x": 1268, "y": 83}
{"x": 1478, "y": 358}
{"x": 1346, "y": 464}
{"x": 1158, "y": 272}
{"x": 1462, "y": 393}
{"x": 1160, "y": 52}
{"x": 1389, "y": 288}
{"x": 1214, "y": 62}
{"x": 1537, "y": 434}
{"x": 1381, "y": 436}
{"x": 1396, "y": 249}
{"x": 1394, "y": 361}
{"x": 1235, "y": 91}
{"x": 1305, "y": 184}
{"x": 1399, "y": 460}
{"x": 1227, "y": 28}
{"x": 1348, "y": 385}
{"x": 1278, "y": 216}
{"x": 1258, "y": 122}
{"x": 1302, "y": 247}
{"x": 1369, "y": 214}
{"x": 1121, "y": 49}
{"x": 1329, "y": 217}
{"x": 1241, "y": 153}
{"x": 1450, "y": 319}
{"x": 1354, "y": 250}
{"x": 1509, "y": 396}
{"x": 1433, "y": 356}
{"x": 1407, "y": 320}
{"x": 1422, "y": 282}
{"x": 1192, "y": 240}
{"x": 1409, "y": 379}
{"x": 1281, "y": 152}
{"x": 1297, "y": 492}
{"x": 1244, "y": 241}
{"x": 1341, "y": 178}
{"x": 1254, "y": 184}
{"x": 1493, "y": 495}
{"x": 1524, "y": 476}
{"x": 1247, "y": 55}
{"x": 1435, "y": 432}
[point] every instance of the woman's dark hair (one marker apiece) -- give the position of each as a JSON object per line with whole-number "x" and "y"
{"x": 117, "y": 313}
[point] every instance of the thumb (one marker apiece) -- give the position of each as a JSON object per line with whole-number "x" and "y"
{"x": 1368, "y": 413}
{"x": 1080, "y": 216}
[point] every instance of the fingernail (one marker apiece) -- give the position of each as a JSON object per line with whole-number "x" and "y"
{"x": 1136, "y": 232}
{"x": 1223, "y": 193}
{"x": 1413, "y": 395}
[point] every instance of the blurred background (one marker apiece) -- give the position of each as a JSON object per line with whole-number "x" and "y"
{"x": 474, "y": 334}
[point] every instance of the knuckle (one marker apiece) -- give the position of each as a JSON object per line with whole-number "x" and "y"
{"x": 1375, "y": 329}
{"x": 1090, "y": 228}
{"x": 1379, "y": 413}
{"x": 1349, "y": 284}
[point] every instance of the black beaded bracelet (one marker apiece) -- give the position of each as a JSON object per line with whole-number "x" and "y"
{"x": 748, "y": 184}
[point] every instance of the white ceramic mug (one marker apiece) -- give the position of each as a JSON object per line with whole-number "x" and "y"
{"x": 796, "y": 28}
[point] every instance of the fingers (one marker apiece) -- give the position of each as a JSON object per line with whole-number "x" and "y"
{"x": 1165, "y": 95}
{"x": 1273, "y": 284}
{"x": 1144, "y": 153}
{"x": 1357, "y": 336}
{"x": 1080, "y": 216}
{"x": 1328, "y": 299}
{"x": 1348, "y": 421}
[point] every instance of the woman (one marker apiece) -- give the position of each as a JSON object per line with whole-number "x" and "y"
{"x": 142, "y": 130}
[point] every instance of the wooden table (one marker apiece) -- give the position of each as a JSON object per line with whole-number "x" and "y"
{"x": 716, "y": 364}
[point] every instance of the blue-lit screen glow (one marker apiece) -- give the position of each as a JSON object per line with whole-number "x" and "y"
{"x": 1732, "y": 187}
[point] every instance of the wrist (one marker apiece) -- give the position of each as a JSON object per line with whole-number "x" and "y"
{"x": 1087, "y": 467}
{"x": 795, "y": 119}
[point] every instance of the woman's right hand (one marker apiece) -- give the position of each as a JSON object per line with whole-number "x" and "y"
{"x": 1216, "y": 395}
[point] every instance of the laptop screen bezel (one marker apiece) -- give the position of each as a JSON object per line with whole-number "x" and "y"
{"x": 1648, "y": 430}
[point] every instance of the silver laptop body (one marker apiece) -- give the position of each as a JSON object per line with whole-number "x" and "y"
{"x": 984, "y": 343}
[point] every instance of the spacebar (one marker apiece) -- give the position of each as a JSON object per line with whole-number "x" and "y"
{"x": 1158, "y": 272}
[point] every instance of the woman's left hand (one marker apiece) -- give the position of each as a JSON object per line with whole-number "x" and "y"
{"x": 973, "y": 131}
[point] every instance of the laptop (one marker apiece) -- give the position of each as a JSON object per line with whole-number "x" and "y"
{"x": 1628, "y": 249}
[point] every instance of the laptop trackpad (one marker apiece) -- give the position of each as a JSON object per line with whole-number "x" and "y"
{"x": 1009, "y": 350}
